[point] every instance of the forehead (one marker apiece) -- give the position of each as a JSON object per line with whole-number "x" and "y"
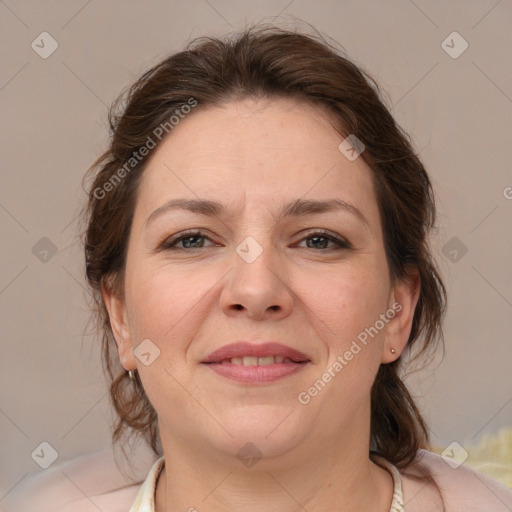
{"x": 268, "y": 152}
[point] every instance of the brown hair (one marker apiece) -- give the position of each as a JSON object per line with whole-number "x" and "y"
{"x": 269, "y": 62}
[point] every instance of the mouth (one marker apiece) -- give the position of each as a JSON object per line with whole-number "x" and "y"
{"x": 256, "y": 363}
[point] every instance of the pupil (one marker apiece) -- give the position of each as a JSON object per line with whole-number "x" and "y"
{"x": 193, "y": 244}
{"x": 315, "y": 239}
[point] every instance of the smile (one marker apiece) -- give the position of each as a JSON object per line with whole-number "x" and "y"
{"x": 257, "y": 361}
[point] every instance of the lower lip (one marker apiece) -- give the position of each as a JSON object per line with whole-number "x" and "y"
{"x": 256, "y": 374}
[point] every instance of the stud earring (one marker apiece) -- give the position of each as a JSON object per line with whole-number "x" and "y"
{"x": 393, "y": 351}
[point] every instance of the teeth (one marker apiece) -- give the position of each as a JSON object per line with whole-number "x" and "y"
{"x": 250, "y": 361}
{"x": 257, "y": 361}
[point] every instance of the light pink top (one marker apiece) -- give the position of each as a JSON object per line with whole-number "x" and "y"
{"x": 92, "y": 482}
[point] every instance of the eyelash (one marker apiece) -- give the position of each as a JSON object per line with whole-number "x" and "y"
{"x": 169, "y": 243}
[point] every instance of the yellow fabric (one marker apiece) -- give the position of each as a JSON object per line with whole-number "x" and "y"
{"x": 492, "y": 456}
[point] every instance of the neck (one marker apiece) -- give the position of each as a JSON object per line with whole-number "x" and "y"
{"x": 339, "y": 478}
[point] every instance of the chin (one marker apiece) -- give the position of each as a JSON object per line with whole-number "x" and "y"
{"x": 261, "y": 432}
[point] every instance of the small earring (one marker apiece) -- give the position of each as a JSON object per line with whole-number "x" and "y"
{"x": 131, "y": 375}
{"x": 393, "y": 351}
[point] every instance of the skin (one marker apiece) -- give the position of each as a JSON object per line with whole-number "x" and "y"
{"x": 254, "y": 156}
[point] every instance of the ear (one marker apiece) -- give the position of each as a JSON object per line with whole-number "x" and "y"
{"x": 403, "y": 299}
{"x": 119, "y": 323}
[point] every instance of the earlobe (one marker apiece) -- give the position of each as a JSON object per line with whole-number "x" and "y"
{"x": 404, "y": 298}
{"x": 119, "y": 325}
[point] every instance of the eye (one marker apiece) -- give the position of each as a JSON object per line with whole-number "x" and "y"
{"x": 190, "y": 240}
{"x": 196, "y": 240}
{"x": 321, "y": 240}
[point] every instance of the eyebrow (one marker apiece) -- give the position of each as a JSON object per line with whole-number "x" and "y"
{"x": 297, "y": 208}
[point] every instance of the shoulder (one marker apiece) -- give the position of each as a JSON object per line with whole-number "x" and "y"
{"x": 85, "y": 484}
{"x": 431, "y": 482}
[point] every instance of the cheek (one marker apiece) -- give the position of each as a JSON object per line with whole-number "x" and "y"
{"x": 162, "y": 302}
{"x": 347, "y": 300}
{"x": 352, "y": 305}
{"x": 349, "y": 303}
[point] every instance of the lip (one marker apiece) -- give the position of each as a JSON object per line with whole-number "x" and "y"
{"x": 244, "y": 348}
{"x": 256, "y": 374}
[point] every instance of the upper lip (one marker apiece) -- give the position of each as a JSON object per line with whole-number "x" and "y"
{"x": 244, "y": 348}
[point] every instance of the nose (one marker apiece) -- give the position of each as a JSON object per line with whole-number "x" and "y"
{"x": 257, "y": 290}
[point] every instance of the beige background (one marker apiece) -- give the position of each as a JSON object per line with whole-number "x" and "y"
{"x": 458, "y": 112}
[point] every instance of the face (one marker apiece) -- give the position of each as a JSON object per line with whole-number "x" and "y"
{"x": 292, "y": 253}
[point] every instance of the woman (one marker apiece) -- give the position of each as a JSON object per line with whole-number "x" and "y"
{"x": 257, "y": 246}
